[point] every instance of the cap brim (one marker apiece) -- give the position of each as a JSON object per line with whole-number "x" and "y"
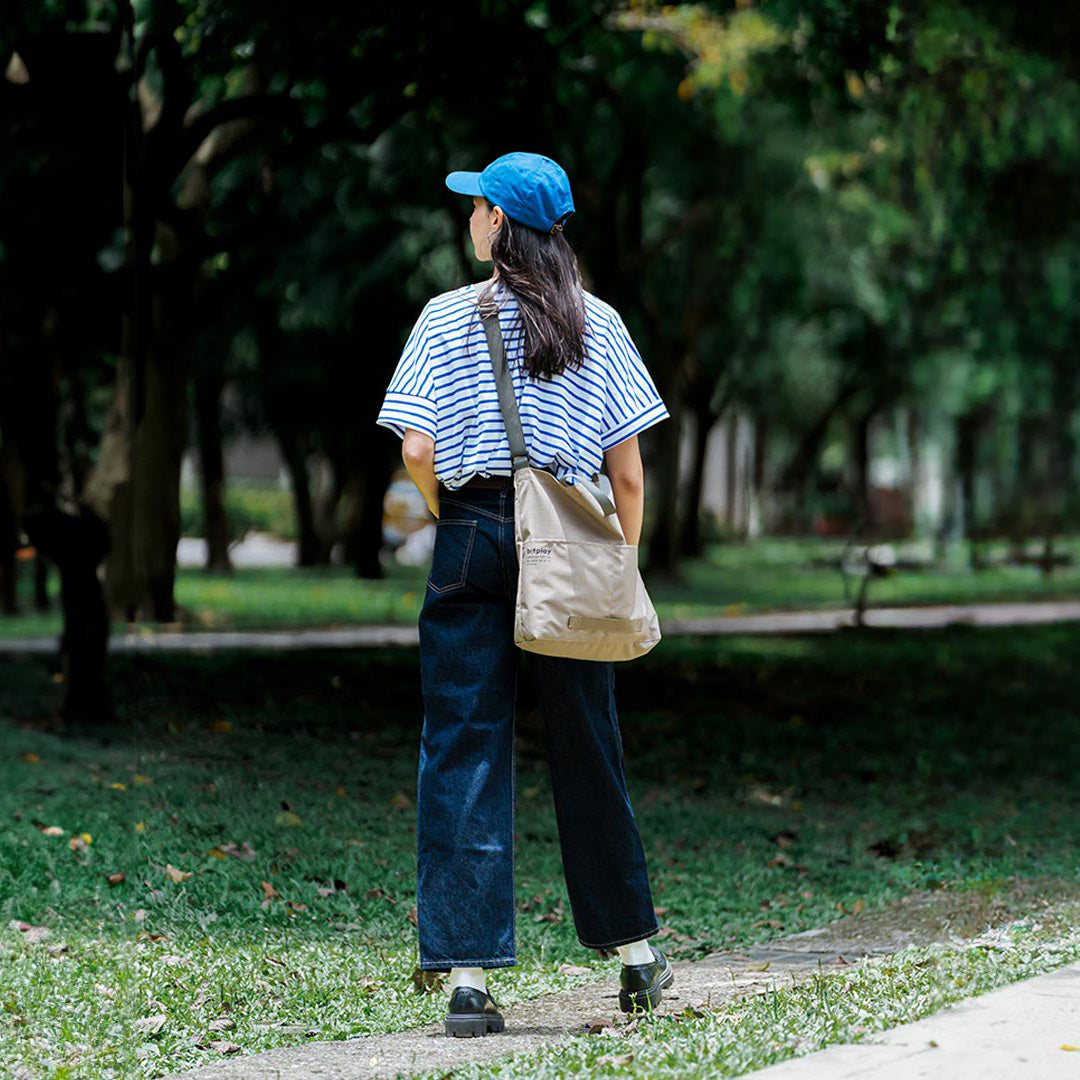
{"x": 464, "y": 183}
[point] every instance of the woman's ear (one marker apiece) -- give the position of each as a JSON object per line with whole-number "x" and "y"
{"x": 497, "y": 216}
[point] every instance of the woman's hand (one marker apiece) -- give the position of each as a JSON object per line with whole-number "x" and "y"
{"x": 418, "y": 453}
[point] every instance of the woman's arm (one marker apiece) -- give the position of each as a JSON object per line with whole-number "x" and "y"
{"x": 628, "y": 486}
{"x": 418, "y": 453}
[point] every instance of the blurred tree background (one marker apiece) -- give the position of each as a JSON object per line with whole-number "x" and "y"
{"x": 844, "y": 234}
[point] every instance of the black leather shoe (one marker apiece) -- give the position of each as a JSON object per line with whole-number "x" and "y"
{"x": 643, "y": 984}
{"x": 472, "y": 1012}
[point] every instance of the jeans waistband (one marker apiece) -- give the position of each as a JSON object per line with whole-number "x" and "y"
{"x": 487, "y": 483}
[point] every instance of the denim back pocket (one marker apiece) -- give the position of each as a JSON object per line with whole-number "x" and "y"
{"x": 450, "y": 559}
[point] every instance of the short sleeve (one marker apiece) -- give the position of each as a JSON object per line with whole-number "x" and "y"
{"x": 632, "y": 402}
{"x": 410, "y": 397}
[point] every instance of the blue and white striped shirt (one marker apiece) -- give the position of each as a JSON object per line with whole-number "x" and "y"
{"x": 444, "y": 386}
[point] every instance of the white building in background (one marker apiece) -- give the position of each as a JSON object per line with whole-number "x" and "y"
{"x": 246, "y": 457}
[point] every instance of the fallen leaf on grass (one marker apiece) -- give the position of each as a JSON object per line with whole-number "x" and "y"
{"x": 858, "y": 907}
{"x": 118, "y": 786}
{"x": 31, "y": 758}
{"x": 555, "y": 915}
{"x": 597, "y": 1024}
{"x": 660, "y": 911}
{"x": 427, "y": 982}
{"x": 51, "y": 830}
{"x": 29, "y": 931}
{"x": 142, "y": 780}
{"x": 151, "y": 1025}
{"x": 220, "y": 1045}
{"x": 671, "y": 932}
{"x": 116, "y": 879}
{"x": 80, "y": 842}
{"x": 176, "y": 876}
{"x": 222, "y": 1023}
{"x": 287, "y": 817}
{"x": 574, "y": 969}
{"x": 221, "y": 727}
{"x": 412, "y": 916}
{"x": 760, "y": 967}
{"x": 614, "y": 1059}
{"x": 401, "y": 801}
{"x": 245, "y": 851}
{"x": 335, "y": 886}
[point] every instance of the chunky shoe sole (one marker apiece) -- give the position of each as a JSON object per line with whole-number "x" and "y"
{"x": 471, "y": 1025}
{"x": 647, "y": 1000}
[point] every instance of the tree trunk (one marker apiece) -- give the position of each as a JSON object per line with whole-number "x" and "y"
{"x": 212, "y": 471}
{"x": 41, "y": 583}
{"x": 966, "y": 448}
{"x": 731, "y": 494}
{"x": 663, "y": 548}
{"x": 795, "y": 479}
{"x": 9, "y": 542}
{"x": 862, "y": 453}
{"x": 690, "y": 545}
{"x": 145, "y": 511}
{"x": 325, "y": 509}
{"x": 77, "y": 544}
{"x": 756, "y": 523}
{"x": 363, "y": 531}
{"x": 296, "y": 463}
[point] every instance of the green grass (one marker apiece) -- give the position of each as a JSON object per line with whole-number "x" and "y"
{"x": 730, "y": 579}
{"x": 885, "y": 756}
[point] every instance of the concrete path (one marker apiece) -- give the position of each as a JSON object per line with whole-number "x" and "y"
{"x": 771, "y": 622}
{"x": 530, "y": 1025}
{"x": 1027, "y": 1031}
{"x": 918, "y": 920}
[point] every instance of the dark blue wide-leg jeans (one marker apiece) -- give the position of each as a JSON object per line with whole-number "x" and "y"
{"x": 465, "y": 799}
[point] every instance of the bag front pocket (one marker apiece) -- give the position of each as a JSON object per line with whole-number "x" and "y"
{"x": 450, "y": 559}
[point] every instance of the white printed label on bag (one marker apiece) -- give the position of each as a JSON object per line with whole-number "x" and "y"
{"x": 536, "y": 554}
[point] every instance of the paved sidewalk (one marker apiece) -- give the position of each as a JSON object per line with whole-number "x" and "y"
{"x": 769, "y": 622}
{"x": 1027, "y": 1031}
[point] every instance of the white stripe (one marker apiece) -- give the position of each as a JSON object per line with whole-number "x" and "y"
{"x": 444, "y": 386}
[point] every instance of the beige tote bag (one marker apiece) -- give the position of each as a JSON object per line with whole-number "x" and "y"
{"x": 580, "y": 594}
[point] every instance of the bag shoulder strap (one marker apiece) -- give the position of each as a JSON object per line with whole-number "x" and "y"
{"x": 519, "y": 455}
{"x": 489, "y": 313}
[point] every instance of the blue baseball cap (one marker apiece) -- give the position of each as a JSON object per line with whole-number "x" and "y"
{"x": 530, "y": 188}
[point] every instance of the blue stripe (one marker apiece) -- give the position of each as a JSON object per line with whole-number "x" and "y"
{"x": 444, "y": 386}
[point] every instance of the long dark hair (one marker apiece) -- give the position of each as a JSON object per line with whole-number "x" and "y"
{"x": 540, "y": 269}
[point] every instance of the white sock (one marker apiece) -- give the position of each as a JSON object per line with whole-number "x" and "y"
{"x": 637, "y": 952}
{"x": 473, "y": 977}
